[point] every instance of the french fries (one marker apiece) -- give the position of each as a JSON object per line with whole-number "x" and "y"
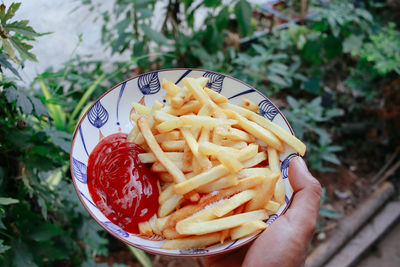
{"x": 217, "y": 182}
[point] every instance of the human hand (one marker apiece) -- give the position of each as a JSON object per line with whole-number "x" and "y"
{"x": 286, "y": 241}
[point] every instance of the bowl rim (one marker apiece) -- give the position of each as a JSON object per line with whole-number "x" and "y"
{"x": 233, "y": 246}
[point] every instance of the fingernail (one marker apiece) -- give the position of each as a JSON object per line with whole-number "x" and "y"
{"x": 300, "y": 163}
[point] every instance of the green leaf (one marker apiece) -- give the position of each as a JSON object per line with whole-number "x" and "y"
{"x": 6, "y": 64}
{"x": 212, "y": 3}
{"x": 7, "y": 48}
{"x": 222, "y": 19}
{"x": 22, "y": 256}
{"x": 24, "y": 103}
{"x": 312, "y": 85}
{"x": 43, "y": 207}
{"x": 156, "y": 36}
{"x": 21, "y": 98}
{"x": 145, "y": 13}
{"x": 141, "y": 256}
{"x": 22, "y": 28}
{"x": 277, "y": 80}
{"x": 330, "y": 157}
{"x": 293, "y": 102}
{"x": 23, "y": 49}
{"x": 4, "y": 16}
{"x": 329, "y": 213}
{"x": 243, "y": 15}
{"x": 40, "y": 109}
{"x": 352, "y": 44}
{"x": 3, "y": 248}
{"x": 8, "y": 201}
{"x": 45, "y": 232}
{"x": 59, "y": 138}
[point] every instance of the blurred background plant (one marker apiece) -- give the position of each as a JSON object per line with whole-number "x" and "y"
{"x": 331, "y": 74}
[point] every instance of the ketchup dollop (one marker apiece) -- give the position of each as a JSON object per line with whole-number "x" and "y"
{"x": 122, "y": 187}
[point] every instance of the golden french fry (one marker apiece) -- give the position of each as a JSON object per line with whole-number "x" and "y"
{"x": 274, "y": 164}
{"x": 250, "y": 105}
{"x": 197, "y": 91}
{"x": 166, "y": 177}
{"x": 145, "y": 228}
{"x": 204, "y": 135}
{"x": 247, "y": 229}
{"x": 192, "y": 106}
{"x": 201, "y": 228}
{"x": 260, "y": 157}
{"x": 224, "y": 234}
{"x": 204, "y": 162}
{"x": 173, "y": 145}
{"x": 153, "y": 225}
{"x": 158, "y": 152}
{"x": 254, "y": 171}
{"x": 256, "y": 130}
{"x": 150, "y": 158}
{"x": 280, "y": 191}
{"x": 180, "y": 98}
{"x": 166, "y": 193}
{"x": 229, "y": 161}
{"x": 158, "y": 167}
{"x": 233, "y": 202}
{"x": 234, "y": 134}
{"x": 132, "y": 134}
{"x": 170, "y": 125}
{"x": 170, "y": 87}
{"x": 169, "y": 205}
{"x": 212, "y": 149}
{"x": 233, "y": 144}
{"x": 142, "y": 109}
{"x": 221, "y": 183}
{"x": 216, "y": 97}
{"x": 135, "y": 116}
{"x": 161, "y": 115}
{"x": 161, "y": 222}
{"x": 263, "y": 193}
{"x": 284, "y": 135}
{"x": 192, "y": 242}
{"x": 173, "y": 135}
{"x": 187, "y": 157}
{"x": 272, "y": 206}
{"x": 206, "y": 121}
{"x": 201, "y": 179}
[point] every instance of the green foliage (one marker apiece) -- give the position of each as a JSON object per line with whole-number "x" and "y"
{"x": 326, "y": 213}
{"x": 307, "y": 120}
{"x": 13, "y": 34}
{"x": 181, "y": 41}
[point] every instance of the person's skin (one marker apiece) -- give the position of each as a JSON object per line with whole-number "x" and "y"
{"x": 286, "y": 241}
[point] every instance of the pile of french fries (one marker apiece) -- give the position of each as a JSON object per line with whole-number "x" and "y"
{"x": 218, "y": 165}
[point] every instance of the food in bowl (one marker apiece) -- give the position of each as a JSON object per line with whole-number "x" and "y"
{"x": 217, "y": 166}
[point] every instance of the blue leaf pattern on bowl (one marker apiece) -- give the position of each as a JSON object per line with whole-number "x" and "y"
{"x": 115, "y": 229}
{"x": 267, "y": 109}
{"x": 271, "y": 219}
{"x": 149, "y": 83}
{"x": 215, "y": 81}
{"x": 97, "y": 115}
{"x": 285, "y": 165}
{"x": 79, "y": 170}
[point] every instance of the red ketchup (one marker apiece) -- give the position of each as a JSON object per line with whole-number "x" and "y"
{"x": 122, "y": 187}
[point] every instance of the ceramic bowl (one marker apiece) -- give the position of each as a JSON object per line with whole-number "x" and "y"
{"x": 110, "y": 114}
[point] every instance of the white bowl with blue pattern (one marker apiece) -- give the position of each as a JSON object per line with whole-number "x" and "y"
{"x": 110, "y": 114}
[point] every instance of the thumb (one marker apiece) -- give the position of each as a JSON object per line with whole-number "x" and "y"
{"x": 307, "y": 194}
